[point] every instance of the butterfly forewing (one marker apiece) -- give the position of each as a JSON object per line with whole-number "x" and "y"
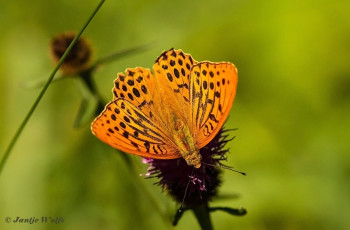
{"x": 136, "y": 86}
{"x": 213, "y": 88}
{"x": 124, "y": 126}
{"x": 173, "y": 68}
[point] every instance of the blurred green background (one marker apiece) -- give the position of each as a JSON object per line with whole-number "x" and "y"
{"x": 292, "y": 112}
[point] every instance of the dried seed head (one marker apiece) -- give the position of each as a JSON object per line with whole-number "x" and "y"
{"x": 78, "y": 60}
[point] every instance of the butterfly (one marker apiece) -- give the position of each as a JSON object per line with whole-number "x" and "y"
{"x": 170, "y": 112}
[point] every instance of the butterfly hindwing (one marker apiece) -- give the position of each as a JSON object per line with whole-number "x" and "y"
{"x": 213, "y": 88}
{"x": 124, "y": 126}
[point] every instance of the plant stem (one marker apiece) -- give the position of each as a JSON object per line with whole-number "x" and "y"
{"x": 42, "y": 92}
{"x": 203, "y": 216}
{"x": 233, "y": 211}
{"x": 88, "y": 81}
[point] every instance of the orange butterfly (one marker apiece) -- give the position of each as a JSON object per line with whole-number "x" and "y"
{"x": 171, "y": 112}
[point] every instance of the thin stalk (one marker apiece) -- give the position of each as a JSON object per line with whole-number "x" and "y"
{"x": 120, "y": 53}
{"x": 42, "y": 92}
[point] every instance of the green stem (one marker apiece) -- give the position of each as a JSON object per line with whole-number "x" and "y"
{"x": 178, "y": 215}
{"x": 87, "y": 79}
{"x": 203, "y": 216}
{"x": 42, "y": 92}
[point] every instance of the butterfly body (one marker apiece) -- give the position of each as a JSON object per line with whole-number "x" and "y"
{"x": 186, "y": 144}
{"x": 171, "y": 112}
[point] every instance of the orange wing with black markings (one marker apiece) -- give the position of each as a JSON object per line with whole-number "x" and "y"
{"x": 150, "y": 108}
{"x": 213, "y": 89}
{"x": 125, "y": 127}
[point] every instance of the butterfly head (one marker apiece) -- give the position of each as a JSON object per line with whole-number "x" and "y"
{"x": 194, "y": 159}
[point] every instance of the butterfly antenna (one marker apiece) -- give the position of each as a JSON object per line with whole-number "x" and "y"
{"x": 225, "y": 167}
{"x": 188, "y": 184}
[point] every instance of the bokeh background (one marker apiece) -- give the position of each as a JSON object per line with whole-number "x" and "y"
{"x": 291, "y": 110}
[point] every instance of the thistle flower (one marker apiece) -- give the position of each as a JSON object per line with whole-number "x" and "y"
{"x": 78, "y": 60}
{"x": 200, "y": 185}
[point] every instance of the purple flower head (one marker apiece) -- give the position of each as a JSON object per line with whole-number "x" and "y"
{"x": 176, "y": 176}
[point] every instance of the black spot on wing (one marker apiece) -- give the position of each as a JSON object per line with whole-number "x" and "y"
{"x": 170, "y": 77}
{"x": 130, "y": 96}
{"x": 134, "y": 144}
{"x": 147, "y": 145}
{"x": 139, "y": 79}
{"x": 130, "y": 82}
{"x": 176, "y": 72}
{"x": 144, "y": 89}
{"x": 136, "y": 92}
{"x": 131, "y": 73}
